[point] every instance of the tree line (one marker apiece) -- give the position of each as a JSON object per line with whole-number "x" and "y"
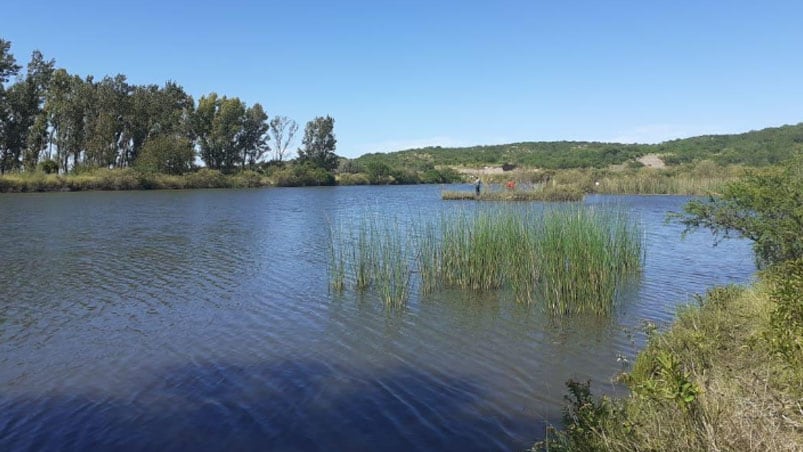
{"x": 54, "y": 121}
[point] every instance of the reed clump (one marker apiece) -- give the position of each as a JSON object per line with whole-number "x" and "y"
{"x": 371, "y": 255}
{"x": 572, "y": 260}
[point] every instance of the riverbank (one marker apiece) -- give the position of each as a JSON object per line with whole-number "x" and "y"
{"x": 715, "y": 381}
{"x": 560, "y": 185}
{"x": 127, "y": 179}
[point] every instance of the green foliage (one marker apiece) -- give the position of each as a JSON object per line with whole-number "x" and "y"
{"x": 166, "y": 154}
{"x": 8, "y": 64}
{"x": 349, "y": 166}
{"x": 302, "y": 174}
{"x": 229, "y": 134}
{"x": 786, "y": 322}
{"x": 570, "y": 260}
{"x": 318, "y": 145}
{"x": 758, "y": 148}
{"x": 666, "y": 379}
{"x": 49, "y": 166}
{"x": 585, "y": 418}
{"x": 378, "y": 172}
{"x": 769, "y": 146}
{"x": 764, "y": 206}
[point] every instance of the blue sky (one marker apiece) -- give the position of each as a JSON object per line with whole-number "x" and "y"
{"x": 401, "y": 74}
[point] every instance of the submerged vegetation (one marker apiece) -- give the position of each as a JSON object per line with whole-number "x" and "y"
{"x": 571, "y": 260}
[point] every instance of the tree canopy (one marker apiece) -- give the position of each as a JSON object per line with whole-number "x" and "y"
{"x": 319, "y": 143}
{"x": 49, "y": 114}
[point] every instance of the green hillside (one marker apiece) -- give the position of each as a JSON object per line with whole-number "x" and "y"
{"x": 755, "y": 148}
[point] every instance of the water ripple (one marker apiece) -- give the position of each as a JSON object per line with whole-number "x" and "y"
{"x": 203, "y": 320}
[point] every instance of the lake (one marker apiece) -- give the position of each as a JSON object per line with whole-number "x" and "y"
{"x": 203, "y": 320}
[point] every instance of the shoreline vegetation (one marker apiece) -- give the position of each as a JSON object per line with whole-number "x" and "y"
{"x": 728, "y": 373}
{"x": 531, "y": 185}
{"x": 61, "y": 131}
{"x": 714, "y": 381}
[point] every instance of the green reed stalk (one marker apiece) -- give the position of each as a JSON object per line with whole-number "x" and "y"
{"x": 571, "y": 259}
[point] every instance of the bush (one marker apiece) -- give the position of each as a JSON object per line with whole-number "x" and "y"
{"x": 786, "y": 320}
{"x": 248, "y": 179}
{"x": 49, "y": 167}
{"x": 300, "y": 175}
{"x": 166, "y": 154}
{"x": 764, "y": 206}
{"x": 206, "y": 178}
{"x": 353, "y": 179}
{"x": 348, "y": 166}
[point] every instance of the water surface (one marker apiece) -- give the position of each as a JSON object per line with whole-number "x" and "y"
{"x": 203, "y": 320}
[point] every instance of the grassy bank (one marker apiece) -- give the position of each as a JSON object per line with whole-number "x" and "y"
{"x": 127, "y": 179}
{"x": 557, "y": 185}
{"x": 570, "y": 260}
{"x": 726, "y": 376}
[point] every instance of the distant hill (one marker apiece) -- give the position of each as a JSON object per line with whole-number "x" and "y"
{"x": 754, "y": 148}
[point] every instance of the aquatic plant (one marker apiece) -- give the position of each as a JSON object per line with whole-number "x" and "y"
{"x": 571, "y": 259}
{"x": 375, "y": 253}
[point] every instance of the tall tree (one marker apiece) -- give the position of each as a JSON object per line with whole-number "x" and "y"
{"x": 252, "y": 141}
{"x": 67, "y": 113}
{"x": 282, "y": 131}
{"x": 319, "y": 143}
{"x": 40, "y": 72}
{"x": 218, "y": 124}
{"x": 107, "y": 106}
{"x": 8, "y": 69}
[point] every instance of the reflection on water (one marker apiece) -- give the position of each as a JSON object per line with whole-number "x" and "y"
{"x": 203, "y": 320}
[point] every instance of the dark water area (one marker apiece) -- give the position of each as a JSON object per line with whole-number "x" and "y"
{"x": 203, "y": 320}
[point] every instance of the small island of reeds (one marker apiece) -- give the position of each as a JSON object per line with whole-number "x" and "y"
{"x": 571, "y": 260}
{"x": 538, "y": 192}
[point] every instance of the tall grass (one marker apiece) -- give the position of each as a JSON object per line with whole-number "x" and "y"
{"x": 573, "y": 260}
{"x": 373, "y": 254}
{"x": 583, "y": 256}
{"x": 654, "y": 182}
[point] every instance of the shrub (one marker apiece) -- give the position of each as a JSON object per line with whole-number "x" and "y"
{"x": 300, "y": 175}
{"x": 206, "y": 178}
{"x": 786, "y": 321}
{"x": 764, "y": 206}
{"x": 166, "y": 154}
{"x": 49, "y": 166}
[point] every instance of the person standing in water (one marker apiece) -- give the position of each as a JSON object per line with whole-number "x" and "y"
{"x": 477, "y": 186}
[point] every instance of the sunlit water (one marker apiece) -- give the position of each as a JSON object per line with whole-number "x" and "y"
{"x": 203, "y": 320}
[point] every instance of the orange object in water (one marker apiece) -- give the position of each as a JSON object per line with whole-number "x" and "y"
{"x": 510, "y": 185}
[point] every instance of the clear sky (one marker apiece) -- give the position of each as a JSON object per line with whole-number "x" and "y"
{"x": 401, "y": 74}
